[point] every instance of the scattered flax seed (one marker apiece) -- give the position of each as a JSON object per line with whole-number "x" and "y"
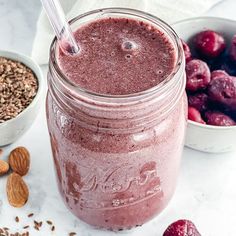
{"x": 17, "y": 219}
{"x": 49, "y": 222}
{"x": 4, "y": 231}
{"x": 30, "y": 215}
{"x": 40, "y": 224}
{"x": 36, "y": 222}
{"x": 37, "y": 225}
{"x": 72, "y": 234}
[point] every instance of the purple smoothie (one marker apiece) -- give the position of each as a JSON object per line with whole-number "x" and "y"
{"x": 119, "y": 56}
{"x": 117, "y": 165}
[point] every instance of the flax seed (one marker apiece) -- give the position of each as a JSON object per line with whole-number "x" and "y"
{"x": 30, "y": 215}
{"x": 18, "y": 87}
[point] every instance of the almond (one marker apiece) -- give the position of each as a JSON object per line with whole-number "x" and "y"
{"x": 4, "y": 167}
{"x": 19, "y": 160}
{"x": 17, "y": 190}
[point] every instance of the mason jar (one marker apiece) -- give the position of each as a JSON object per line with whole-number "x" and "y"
{"x": 117, "y": 157}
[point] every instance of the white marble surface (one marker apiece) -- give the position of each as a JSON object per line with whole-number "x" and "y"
{"x": 18, "y": 23}
{"x": 206, "y": 190}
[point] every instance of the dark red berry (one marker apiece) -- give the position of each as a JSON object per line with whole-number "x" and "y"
{"x": 194, "y": 115}
{"x": 218, "y": 74}
{"x": 198, "y": 75}
{"x": 198, "y": 101}
{"x": 209, "y": 43}
{"x": 218, "y": 119}
{"x": 187, "y": 52}
{"x": 232, "y": 50}
{"x": 223, "y": 91}
{"x": 182, "y": 228}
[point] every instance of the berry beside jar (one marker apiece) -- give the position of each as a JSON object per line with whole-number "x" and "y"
{"x": 211, "y": 79}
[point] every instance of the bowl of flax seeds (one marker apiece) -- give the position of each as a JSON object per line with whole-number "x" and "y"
{"x": 21, "y": 82}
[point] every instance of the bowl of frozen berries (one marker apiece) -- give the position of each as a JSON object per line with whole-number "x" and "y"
{"x": 209, "y": 45}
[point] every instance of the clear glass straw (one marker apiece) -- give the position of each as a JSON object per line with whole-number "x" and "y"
{"x": 60, "y": 26}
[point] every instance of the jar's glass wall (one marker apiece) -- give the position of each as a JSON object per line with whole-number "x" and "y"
{"x": 112, "y": 172}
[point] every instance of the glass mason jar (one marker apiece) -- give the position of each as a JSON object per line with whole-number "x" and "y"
{"x": 117, "y": 157}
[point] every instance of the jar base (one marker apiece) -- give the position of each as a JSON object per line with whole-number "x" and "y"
{"x": 122, "y": 219}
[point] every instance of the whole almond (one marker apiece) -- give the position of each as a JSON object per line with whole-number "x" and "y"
{"x": 19, "y": 160}
{"x": 17, "y": 190}
{"x": 4, "y": 167}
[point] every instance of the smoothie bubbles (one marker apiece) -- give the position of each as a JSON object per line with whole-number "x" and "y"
{"x": 116, "y": 116}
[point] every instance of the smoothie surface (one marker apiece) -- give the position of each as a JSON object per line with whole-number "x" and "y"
{"x": 119, "y": 56}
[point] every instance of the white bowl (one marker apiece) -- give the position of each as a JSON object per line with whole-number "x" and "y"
{"x": 13, "y": 129}
{"x": 208, "y": 138}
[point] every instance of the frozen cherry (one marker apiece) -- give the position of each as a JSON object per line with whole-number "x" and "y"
{"x": 198, "y": 75}
{"x": 218, "y": 119}
{"x": 182, "y": 228}
{"x": 223, "y": 91}
{"x": 232, "y": 50}
{"x": 209, "y": 43}
{"x": 187, "y": 52}
{"x": 195, "y": 115}
{"x": 198, "y": 101}
{"x": 218, "y": 74}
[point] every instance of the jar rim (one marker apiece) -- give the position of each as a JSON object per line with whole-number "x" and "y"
{"x": 162, "y": 86}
